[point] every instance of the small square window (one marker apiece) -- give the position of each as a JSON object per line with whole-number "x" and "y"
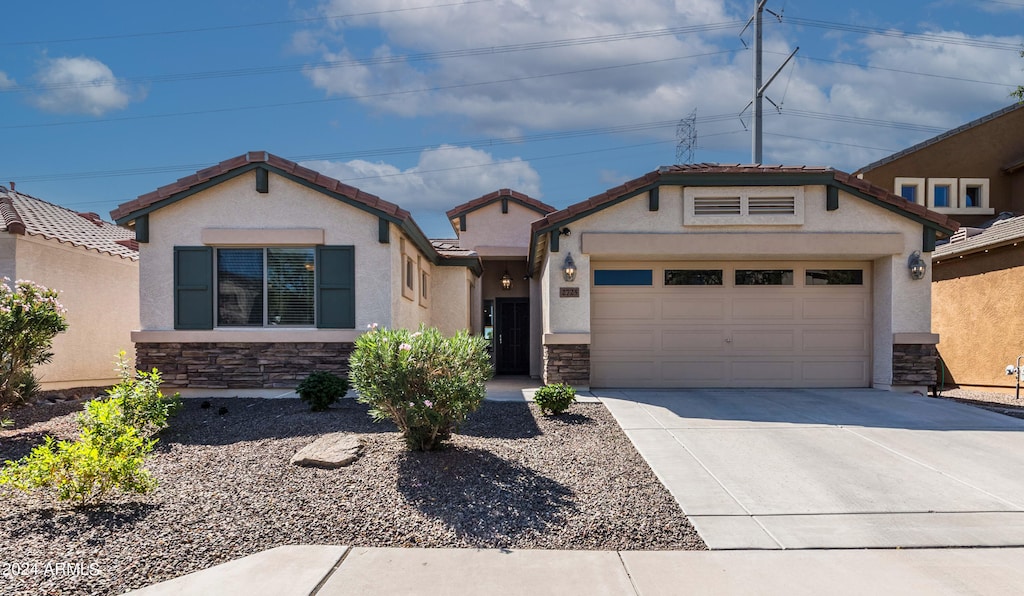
{"x": 941, "y": 195}
{"x": 410, "y": 273}
{"x": 911, "y": 189}
{"x": 909, "y": 192}
{"x": 423, "y": 285}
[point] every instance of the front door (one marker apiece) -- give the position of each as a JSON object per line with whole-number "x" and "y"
{"x": 512, "y": 336}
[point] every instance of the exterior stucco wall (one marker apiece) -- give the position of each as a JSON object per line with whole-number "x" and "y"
{"x": 450, "y": 306}
{"x": 488, "y": 226}
{"x": 407, "y": 308}
{"x": 8, "y": 251}
{"x": 901, "y": 304}
{"x": 976, "y": 310}
{"x": 101, "y": 294}
{"x": 236, "y": 204}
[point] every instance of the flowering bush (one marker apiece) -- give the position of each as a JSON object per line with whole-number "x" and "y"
{"x": 424, "y": 382}
{"x": 116, "y": 436}
{"x": 30, "y": 317}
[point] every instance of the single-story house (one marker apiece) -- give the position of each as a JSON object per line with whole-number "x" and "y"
{"x": 977, "y": 300}
{"x": 257, "y": 270}
{"x": 94, "y": 265}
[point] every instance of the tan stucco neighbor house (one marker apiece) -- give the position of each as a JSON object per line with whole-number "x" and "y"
{"x": 93, "y": 264}
{"x": 257, "y": 270}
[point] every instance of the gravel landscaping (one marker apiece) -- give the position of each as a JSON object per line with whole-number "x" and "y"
{"x": 510, "y": 479}
{"x": 1004, "y": 402}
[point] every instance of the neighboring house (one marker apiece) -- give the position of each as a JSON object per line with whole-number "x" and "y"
{"x": 972, "y": 172}
{"x": 977, "y": 300}
{"x": 738, "y": 276}
{"x": 257, "y": 271}
{"x": 94, "y": 265}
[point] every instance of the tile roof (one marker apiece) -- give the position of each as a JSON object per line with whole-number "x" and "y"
{"x": 940, "y": 137}
{"x": 717, "y": 170}
{"x": 125, "y": 210}
{"x": 526, "y": 200}
{"x": 970, "y": 240}
{"x": 449, "y": 248}
{"x": 23, "y": 214}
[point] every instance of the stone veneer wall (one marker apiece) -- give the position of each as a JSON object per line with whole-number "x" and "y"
{"x": 567, "y": 363}
{"x": 913, "y": 364}
{"x": 241, "y": 365}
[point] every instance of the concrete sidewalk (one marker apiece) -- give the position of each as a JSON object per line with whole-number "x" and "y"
{"x": 341, "y": 571}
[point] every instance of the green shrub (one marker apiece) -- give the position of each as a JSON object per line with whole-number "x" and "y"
{"x": 424, "y": 382}
{"x": 30, "y": 317}
{"x": 555, "y": 398}
{"x": 108, "y": 454}
{"x": 321, "y": 389}
{"x": 114, "y": 439}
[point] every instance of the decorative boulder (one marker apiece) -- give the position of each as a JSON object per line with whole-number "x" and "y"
{"x": 329, "y": 451}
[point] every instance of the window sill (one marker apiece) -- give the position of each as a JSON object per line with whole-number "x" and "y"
{"x": 964, "y": 210}
{"x": 252, "y": 335}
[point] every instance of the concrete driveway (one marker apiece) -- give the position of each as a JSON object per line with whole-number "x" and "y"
{"x": 831, "y": 468}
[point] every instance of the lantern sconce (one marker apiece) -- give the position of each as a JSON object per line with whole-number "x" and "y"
{"x": 569, "y": 268}
{"x": 916, "y": 265}
{"x": 506, "y": 281}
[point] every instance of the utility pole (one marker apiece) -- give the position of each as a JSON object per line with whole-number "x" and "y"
{"x": 755, "y": 152}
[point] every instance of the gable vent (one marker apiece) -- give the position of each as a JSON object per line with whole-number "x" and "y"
{"x": 771, "y": 206}
{"x": 716, "y": 206}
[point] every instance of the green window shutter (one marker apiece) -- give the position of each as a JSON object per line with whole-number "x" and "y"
{"x": 336, "y": 287}
{"x": 193, "y": 287}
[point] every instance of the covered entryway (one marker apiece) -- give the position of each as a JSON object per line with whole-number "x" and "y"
{"x": 731, "y": 324}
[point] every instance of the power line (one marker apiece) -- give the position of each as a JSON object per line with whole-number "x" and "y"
{"x": 238, "y": 26}
{"x": 929, "y": 37}
{"x": 896, "y": 70}
{"x": 378, "y": 60}
{"x": 358, "y": 97}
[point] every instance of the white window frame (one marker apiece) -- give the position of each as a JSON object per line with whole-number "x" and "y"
{"x": 690, "y": 218}
{"x": 919, "y": 195}
{"x": 979, "y": 183}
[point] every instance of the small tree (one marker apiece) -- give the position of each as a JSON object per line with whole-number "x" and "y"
{"x": 30, "y": 317}
{"x": 424, "y": 382}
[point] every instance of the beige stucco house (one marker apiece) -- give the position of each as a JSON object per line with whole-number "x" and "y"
{"x": 93, "y": 264}
{"x": 256, "y": 271}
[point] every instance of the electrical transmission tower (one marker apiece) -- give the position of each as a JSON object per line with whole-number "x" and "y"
{"x": 686, "y": 138}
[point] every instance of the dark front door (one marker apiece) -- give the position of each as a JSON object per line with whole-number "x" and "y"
{"x": 512, "y": 336}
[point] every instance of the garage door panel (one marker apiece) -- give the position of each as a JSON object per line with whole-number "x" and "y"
{"x": 804, "y": 335}
{"x": 855, "y": 341}
{"x": 696, "y": 341}
{"x": 702, "y": 308}
{"x": 762, "y": 309}
{"x": 834, "y": 308}
{"x": 617, "y": 308}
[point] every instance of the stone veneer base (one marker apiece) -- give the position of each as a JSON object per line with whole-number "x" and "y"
{"x": 241, "y": 365}
{"x": 914, "y": 364}
{"x": 567, "y": 363}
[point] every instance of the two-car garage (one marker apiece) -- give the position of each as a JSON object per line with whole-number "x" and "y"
{"x": 731, "y": 324}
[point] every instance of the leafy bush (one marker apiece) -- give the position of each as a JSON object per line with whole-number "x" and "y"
{"x": 321, "y": 389}
{"x": 30, "y": 317}
{"x": 555, "y": 398}
{"x": 114, "y": 439}
{"x": 424, "y": 382}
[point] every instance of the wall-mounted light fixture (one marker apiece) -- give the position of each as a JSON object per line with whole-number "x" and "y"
{"x": 568, "y": 268}
{"x": 565, "y": 232}
{"x": 916, "y": 265}
{"x": 506, "y": 281}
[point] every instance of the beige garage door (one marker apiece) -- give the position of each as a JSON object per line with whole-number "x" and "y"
{"x": 734, "y": 324}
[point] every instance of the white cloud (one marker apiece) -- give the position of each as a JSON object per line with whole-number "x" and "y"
{"x": 79, "y": 85}
{"x": 5, "y": 81}
{"x": 442, "y": 178}
{"x": 665, "y": 82}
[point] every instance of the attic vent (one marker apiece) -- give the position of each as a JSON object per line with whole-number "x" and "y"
{"x": 707, "y": 206}
{"x": 959, "y": 235}
{"x": 771, "y": 206}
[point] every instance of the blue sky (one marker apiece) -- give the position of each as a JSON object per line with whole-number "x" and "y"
{"x": 430, "y": 103}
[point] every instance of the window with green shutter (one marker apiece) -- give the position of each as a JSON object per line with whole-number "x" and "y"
{"x": 336, "y": 287}
{"x": 193, "y": 287}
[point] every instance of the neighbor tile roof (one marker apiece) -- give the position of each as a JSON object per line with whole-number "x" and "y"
{"x": 449, "y": 248}
{"x": 941, "y": 137}
{"x": 487, "y": 199}
{"x": 999, "y": 233}
{"x": 739, "y": 170}
{"x": 312, "y": 176}
{"x": 23, "y": 214}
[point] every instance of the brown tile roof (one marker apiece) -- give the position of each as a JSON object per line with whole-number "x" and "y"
{"x": 24, "y": 214}
{"x": 487, "y": 199}
{"x": 449, "y": 248}
{"x": 716, "y": 170}
{"x": 188, "y": 182}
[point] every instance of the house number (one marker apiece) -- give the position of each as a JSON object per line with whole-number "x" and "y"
{"x": 568, "y": 292}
